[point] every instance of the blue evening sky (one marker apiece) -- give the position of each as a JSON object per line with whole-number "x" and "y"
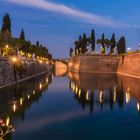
{"x": 57, "y": 23}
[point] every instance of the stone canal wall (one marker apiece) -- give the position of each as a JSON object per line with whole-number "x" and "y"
{"x": 128, "y": 65}
{"x": 60, "y": 68}
{"x": 94, "y": 63}
{"x": 27, "y": 69}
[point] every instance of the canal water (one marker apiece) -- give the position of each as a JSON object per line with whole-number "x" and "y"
{"x": 71, "y": 107}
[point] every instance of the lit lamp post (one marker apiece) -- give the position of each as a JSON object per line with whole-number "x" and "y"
{"x": 7, "y": 46}
{"x": 14, "y": 60}
{"x": 129, "y": 50}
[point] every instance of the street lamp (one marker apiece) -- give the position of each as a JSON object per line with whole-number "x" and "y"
{"x": 14, "y": 60}
{"x": 7, "y": 46}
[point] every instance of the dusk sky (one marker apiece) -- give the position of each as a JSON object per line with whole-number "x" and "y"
{"x": 57, "y": 23}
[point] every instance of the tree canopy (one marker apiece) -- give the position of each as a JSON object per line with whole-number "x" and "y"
{"x": 6, "y": 23}
{"x": 22, "y": 35}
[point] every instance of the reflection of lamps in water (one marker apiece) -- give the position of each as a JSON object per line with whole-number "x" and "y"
{"x": 128, "y": 96}
{"x": 40, "y": 86}
{"x": 7, "y": 121}
{"x": 14, "y": 107}
{"x": 28, "y": 96}
{"x": 101, "y": 96}
{"x": 138, "y": 106}
{"x": 34, "y": 92}
{"x": 76, "y": 89}
{"x": 21, "y": 101}
{"x": 79, "y": 93}
{"x": 114, "y": 97}
{"x": 47, "y": 80}
{"x": 87, "y": 96}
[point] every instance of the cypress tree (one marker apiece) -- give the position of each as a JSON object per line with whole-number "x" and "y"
{"x": 6, "y": 23}
{"x": 121, "y": 45}
{"x": 80, "y": 44}
{"x": 92, "y": 40}
{"x": 103, "y": 43}
{"x": 22, "y": 35}
{"x": 71, "y": 52}
{"x": 84, "y": 43}
{"x": 37, "y": 43}
{"x": 113, "y": 43}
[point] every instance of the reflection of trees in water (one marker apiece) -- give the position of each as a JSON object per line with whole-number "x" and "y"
{"x": 99, "y": 97}
{"x": 16, "y": 99}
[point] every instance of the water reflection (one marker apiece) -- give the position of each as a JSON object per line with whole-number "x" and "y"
{"x": 104, "y": 89}
{"x": 16, "y": 99}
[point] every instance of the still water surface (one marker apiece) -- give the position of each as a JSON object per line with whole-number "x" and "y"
{"x": 72, "y": 107}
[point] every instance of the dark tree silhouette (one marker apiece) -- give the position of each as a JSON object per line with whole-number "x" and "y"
{"x": 71, "y": 52}
{"x": 22, "y": 35}
{"x": 84, "y": 43}
{"x": 6, "y": 23}
{"x": 113, "y": 43}
{"x": 103, "y": 43}
{"x": 121, "y": 45}
{"x": 37, "y": 43}
{"x": 92, "y": 40}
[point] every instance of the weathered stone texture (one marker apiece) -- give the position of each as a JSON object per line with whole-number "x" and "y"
{"x": 30, "y": 68}
{"x": 126, "y": 65}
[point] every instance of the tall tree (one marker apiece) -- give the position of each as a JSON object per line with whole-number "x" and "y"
{"x": 84, "y": 43}
{"x": 77, "y": 47}
{"x": 92, "y": 39}
{"x": 80, "y": 44}
{"x": 103, "y": 43}
{"x": 71, "y": 52}
{"x": 22, "y": 35}
{"x": 113, "y": 43}
{"x": 6, "y": 23}
{"x": 121, "y": 45}
{"x": 37, "y": 43}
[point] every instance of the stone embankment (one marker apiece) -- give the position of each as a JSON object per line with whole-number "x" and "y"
{"x": 60, "y": 68}
{"x": 128, "y": 64}
{"x": 28, "y": 69}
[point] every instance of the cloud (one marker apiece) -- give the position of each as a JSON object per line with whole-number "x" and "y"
{"x": 71, "y": 12}
{"x": 63, "y": 9}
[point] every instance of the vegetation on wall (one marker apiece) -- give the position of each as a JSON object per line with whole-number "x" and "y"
{"x": 10, "y": 45}
{"x": 84, "y": 44}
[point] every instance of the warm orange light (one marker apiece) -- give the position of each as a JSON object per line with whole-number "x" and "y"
{"x": 14, "y": 107}
{"x": 79, "y": 93}
{"x": 7, "y": 46}
{"x": 34, "y": 92}
{"x": 47, "y": 80}
{"x": 138, "y": 106}
{"x": 114, "y": 97}
{"x": 101, "y": 96}
{"x": 14, "y": 59}
{"x": 40, "y": 61}
{"x": 40, "y": 86}
{"x": 87, "y": 96}
{"x": 7, "y": 121}
{"x": 21, "y": 101}
{"x": 28, "y": 96}
{"x": 128, "y": 97}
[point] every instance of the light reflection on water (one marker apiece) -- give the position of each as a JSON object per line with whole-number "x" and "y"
{"x": 102, "y": 89}
{"x": 77, "y": 106}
